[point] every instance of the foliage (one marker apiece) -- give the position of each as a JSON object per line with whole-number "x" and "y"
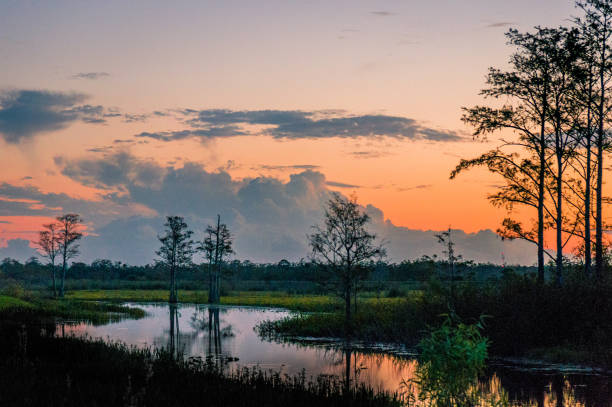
{"x": 450, "y": 361}
{"x": 176, "y": 249}
{"x": 345, "y": 248}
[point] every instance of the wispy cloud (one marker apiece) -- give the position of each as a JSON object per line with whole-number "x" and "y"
{"x": 287, "y": 167}
{"x": 92, "y": 76}
{"x": 383, "y": 13}
{"x": 421, "y": 186}
{"x": 341, "y": 185}
{"x": 499, "y": 24}
{"x": 369, "y": 154}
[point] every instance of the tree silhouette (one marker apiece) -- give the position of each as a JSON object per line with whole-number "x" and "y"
{"x": 445, "y": 239}
{"x": 48, "y": 244}
{"x": 596, "y": 27}
{"x": 69, "y": 233}
{"x": 217, "y": 245}
{"x": 535, "y": 91}
{"x": 176, "y": 249}
{"x": 344, "y": 247}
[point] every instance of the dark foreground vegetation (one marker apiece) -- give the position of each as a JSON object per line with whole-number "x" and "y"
{"x": 567, "y": 324}
{"x": 39, "y": 368}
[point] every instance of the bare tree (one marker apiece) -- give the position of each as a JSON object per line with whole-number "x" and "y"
{"x": 69, "y": 233}
{"x": 446, "y": 240}
{"x": 344, "y": 247}
{"x": 49, "y": 246}
{"x": 176, "y": 249}
{"x": 217, "y": 245}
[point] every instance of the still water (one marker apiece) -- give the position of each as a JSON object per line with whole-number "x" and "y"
{"x": 227, "y": 334}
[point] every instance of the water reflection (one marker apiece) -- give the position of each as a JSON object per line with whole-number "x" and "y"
{"x": 225, "y": 334}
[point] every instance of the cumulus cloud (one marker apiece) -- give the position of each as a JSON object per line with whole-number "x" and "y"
{"x": 269, "y": 218}
{"x": 90, "y": 75}
{"x": 295, "y": 125}
{"x": 26, "y": 113}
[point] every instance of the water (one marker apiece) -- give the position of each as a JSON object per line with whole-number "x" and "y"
{"x": 227, "y": 334}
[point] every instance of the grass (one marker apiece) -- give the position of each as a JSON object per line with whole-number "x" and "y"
{"x": 386, "y": 319}
{"x": 277, "y": 299}
{"x": 8, "y": 302}
{"x": 69, "y": 309}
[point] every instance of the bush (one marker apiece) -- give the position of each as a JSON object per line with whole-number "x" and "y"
{"x": 451, "y": 359}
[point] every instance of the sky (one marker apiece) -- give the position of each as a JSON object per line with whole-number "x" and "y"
{"x": 126, "y": 112}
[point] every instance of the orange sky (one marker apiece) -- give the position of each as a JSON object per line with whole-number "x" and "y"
{"x": 418, "y": 61}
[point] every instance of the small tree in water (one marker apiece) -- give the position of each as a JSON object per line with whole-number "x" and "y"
{"x": 344, "y": 247}
{"x": 176, "y": 249}
{"x": 216, "y": 246}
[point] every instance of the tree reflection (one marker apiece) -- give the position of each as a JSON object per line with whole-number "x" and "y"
{"x": 174, "y": 332}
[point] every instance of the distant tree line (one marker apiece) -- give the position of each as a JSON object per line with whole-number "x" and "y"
{"x": 422, "y": 269}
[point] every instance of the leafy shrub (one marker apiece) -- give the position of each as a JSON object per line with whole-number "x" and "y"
{"x": 451, "y": 359}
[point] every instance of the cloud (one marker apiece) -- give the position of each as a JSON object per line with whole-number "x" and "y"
{"x": 113, "y": 170}
{"x": 26, "y": 113}
{"x": 287, "y": 167}
{"x": 18, "y": 249}
{"x": 500, "y": 24}
{"x": 131, "y": 118}
{"x": 341, "y": 185}
{"x": 422, "y": 186}
{"x": 90, "y": 75}
{"x": 369, "y": 154}
{"x": 296, "y": 125}
{"x": 383, "y": 13}
{"x": 269, "y": 218}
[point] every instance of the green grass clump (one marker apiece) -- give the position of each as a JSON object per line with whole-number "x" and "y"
{"x": 385, "y": 319}
{"x": 7, "y": 302}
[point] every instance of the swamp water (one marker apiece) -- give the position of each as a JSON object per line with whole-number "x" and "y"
{"x": 227, "y": 335}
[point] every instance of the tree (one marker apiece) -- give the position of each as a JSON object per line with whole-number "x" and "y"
{"x": 344, "y": 247}
{"x": 48, "y": 244}
{"x": 564, "y": 114}
{"x": 216, "y": 246}
{"x": 69, "y": 233}
{"x": 596, "y": 26}
{"x": 176, "y": 249}
{"x": 534, "y": 93}
{"x": 446, "y": 240}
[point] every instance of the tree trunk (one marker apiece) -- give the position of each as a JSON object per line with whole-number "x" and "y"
{"x": 63, "y": 278}
{"x": 541, "y": 191}
{"x": 587, "y": 191}
{"x": 559, "y": 273}
{"x": 347, "y": 310}
{"x": 600, "y": 169}
{"x": 54, "y": 283}
{"x": 173, "y": 296}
